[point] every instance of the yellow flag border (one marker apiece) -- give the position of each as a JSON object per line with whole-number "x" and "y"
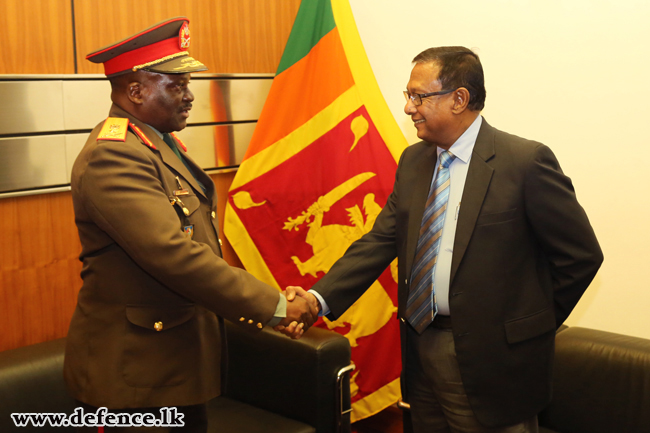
{"x": 387, "y": 126}
{"x": 377, "y": 401}
{"x": 302, "y": 137}
{"x": 365, "y": 80}
{"x": 253, "y": 263}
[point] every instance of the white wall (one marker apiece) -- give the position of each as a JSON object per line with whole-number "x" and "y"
{"x": 573, "y": 74}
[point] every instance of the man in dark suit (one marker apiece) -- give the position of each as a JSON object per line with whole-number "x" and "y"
{"x": 500, "y": 258}
{"x": 147, "y": 329}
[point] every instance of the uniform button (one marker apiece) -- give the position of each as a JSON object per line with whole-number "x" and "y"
{"x": 220, "y": 242}
{"x": 214, "y": 214}
{"x": 241, "y": 319}
{"x": 158, "y": 326}
{"x": 402, "y": 319}
{"x": 250, "y": 322}
{"x": 259, "y": 325}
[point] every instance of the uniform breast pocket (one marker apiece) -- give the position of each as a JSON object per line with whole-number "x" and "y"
{"x": 496, "y": 217}
{"x": 159, "y": 345}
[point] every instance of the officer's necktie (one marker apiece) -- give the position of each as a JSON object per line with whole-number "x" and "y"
{"x": 421, "y": 306}
{"x": 167, "y": 138}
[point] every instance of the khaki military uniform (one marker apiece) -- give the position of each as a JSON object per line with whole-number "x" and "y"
{"x": 146, "y": 331}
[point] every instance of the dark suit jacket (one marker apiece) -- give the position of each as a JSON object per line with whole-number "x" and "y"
{"x": 141, "y": 268}
{"x": 524, "y": 253}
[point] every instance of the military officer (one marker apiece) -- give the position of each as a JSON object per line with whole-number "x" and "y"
{"x": 148, "y": 325}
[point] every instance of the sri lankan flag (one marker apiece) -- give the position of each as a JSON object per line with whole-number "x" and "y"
{"x": 319, "y": 168}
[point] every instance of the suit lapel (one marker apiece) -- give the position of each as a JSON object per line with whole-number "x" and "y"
{"x": 478, "y": 179}
{"x": 423, "y": 175}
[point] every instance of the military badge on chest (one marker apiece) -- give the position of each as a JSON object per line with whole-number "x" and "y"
{"x": 180, "y": 190}
{"x": 175, "y": 199}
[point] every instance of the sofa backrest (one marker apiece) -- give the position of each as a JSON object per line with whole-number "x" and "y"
{"x": 601, "y": 383}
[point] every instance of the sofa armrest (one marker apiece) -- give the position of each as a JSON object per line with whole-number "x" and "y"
{"x": 31, "y": 381}
{"x": 601, "y": 383}
{"x": 294, "y": 378}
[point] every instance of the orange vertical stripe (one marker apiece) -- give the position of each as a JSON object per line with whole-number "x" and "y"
{"x": 220, "y": 134}
{"x": 307, "y": 87}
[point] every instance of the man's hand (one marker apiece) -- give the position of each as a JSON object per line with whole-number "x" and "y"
{"x": 292, "y": 291}
{"x": 302, "y": 312}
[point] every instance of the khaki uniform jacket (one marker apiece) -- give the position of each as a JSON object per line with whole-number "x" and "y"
{"x": 146, "y": 331}
{"x": 524, "y": 253}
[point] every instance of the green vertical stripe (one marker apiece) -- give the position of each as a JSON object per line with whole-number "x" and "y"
{"x": 313, "y": 21}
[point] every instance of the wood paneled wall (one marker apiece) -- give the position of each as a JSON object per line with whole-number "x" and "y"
{"x": 228, "y": 36}
{"x": 36, "y": 37}
{"x": 39, "y": 266}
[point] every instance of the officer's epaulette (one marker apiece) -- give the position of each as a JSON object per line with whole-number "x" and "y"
{"x": 114, "y": 129}
{"x": 178, "y": 140}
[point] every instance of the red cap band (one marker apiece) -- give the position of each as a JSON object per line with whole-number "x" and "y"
{"x": 143, "y": 55}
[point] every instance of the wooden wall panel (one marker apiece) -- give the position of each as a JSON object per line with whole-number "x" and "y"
{"x": 39, "y": 268}
{"x": 36, "y": 37}
{"x": 229, "y": 36}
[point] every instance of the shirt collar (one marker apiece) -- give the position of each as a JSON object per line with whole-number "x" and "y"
{"x": 158, "y": 133}
{"x": 464, "y": 146}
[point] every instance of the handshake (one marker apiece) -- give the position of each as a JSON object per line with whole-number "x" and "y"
{"x": 302, "y": 311}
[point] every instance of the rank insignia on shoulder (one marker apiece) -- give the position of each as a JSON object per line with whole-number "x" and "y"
{"x": 114, "y": 129}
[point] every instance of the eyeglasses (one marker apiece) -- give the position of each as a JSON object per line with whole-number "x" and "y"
{"x": 416, "y": 98}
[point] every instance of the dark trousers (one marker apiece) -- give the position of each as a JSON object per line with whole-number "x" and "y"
{"x": 436, "y": 393}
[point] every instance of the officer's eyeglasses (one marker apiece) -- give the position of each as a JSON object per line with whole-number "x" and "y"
{"x": 416, "y": 98}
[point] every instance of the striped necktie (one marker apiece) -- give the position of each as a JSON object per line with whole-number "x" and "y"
{"x": 421, "y": 306}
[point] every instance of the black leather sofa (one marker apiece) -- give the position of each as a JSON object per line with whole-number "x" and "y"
{"x": 601, "y": 384}
{"x": 273, "y": 384}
